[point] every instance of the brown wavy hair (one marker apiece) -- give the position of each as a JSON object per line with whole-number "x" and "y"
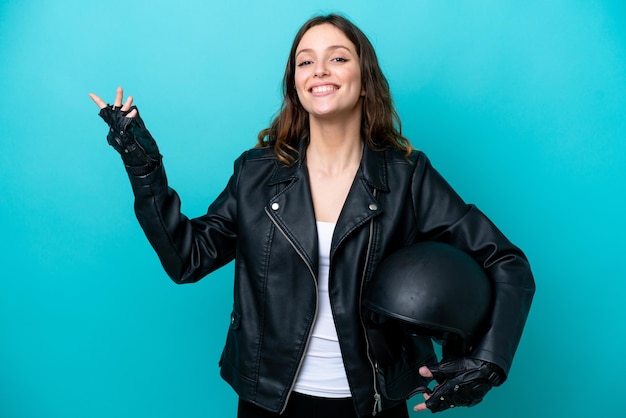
{"x": 380, "y": 123}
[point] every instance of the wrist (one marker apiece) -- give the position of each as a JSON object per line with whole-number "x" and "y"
{"x": 141, "y": 170}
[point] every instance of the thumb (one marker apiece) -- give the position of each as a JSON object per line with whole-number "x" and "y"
{"x": 425, "y": 372}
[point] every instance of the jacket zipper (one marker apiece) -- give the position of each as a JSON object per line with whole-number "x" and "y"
{"x": 308, "y": 338}
{"x": 377, "y": 398}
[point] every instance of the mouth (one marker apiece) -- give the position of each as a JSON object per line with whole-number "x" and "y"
{"x": 324, "y": 89}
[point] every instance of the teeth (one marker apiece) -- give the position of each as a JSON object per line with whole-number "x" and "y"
{"x": 323, "y": 89}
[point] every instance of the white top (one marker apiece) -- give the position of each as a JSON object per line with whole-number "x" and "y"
{"x": 322, "y": 373}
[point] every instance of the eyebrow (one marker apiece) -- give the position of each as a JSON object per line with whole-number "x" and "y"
{"x": 332, "y": 47}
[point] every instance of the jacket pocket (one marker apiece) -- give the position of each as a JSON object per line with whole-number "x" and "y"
{"x": 231, "y": 342}
{"x": 235, "y": 320}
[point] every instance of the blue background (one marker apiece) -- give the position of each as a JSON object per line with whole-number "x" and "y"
{"x": 520, "y": 105}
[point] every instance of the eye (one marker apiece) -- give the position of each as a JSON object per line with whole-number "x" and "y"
{"x": 304, "y": 63}
{"x": 339, "y": 59}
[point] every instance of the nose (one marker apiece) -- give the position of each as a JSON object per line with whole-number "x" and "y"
{"x": 320, "y": 70}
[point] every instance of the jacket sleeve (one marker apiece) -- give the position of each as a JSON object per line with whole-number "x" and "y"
{"x": 443, "y": 216}
{"x": 189, "y": 249}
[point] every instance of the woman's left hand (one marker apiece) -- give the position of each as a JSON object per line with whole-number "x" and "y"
{"x": 462, "y": 382}
{"x": 424, "y": 372}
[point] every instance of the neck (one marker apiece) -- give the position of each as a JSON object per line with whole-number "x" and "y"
{"x": 333, "y": 150}
{"x": 334, "y": 145}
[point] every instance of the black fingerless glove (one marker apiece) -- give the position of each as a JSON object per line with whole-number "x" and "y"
{"x": 132, "y": 140}
{"x": 462, "y": 382}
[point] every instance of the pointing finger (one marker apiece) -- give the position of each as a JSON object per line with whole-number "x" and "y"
{"x": 422, "y": 406}
{"x": 118, "y": 97}
{"x": 128, "y": 104}
{"x": 97, "y": 100}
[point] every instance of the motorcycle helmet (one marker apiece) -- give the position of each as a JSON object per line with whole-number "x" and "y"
{"x": 430, "y": 289}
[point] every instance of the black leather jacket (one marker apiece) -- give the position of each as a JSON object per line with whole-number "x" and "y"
{"x": 264, "y": 219}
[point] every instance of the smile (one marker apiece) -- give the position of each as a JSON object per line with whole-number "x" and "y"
{"x": 326, "y": 88}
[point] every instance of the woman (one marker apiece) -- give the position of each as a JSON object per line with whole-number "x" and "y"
{"x": 331, "y": 189}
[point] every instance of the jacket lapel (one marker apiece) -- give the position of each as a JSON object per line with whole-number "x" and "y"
{"x": 361, "y": 204}
{"x": 291, "y": 210}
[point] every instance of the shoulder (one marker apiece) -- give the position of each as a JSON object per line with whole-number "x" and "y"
{"x": 258, "y": 165}
{"x": 415, "y": 166}
{"x": 396, "y": 156}
{"x": 261, "y": 154}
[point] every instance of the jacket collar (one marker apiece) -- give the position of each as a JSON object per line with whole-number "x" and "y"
{"x": 373, "y": 167}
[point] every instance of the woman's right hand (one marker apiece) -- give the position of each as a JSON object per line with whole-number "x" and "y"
{"x": 128, "y": 134}
{"x": 117, "y": 104}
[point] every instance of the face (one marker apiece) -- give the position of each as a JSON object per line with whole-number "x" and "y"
{"x": 328, "y": 75}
